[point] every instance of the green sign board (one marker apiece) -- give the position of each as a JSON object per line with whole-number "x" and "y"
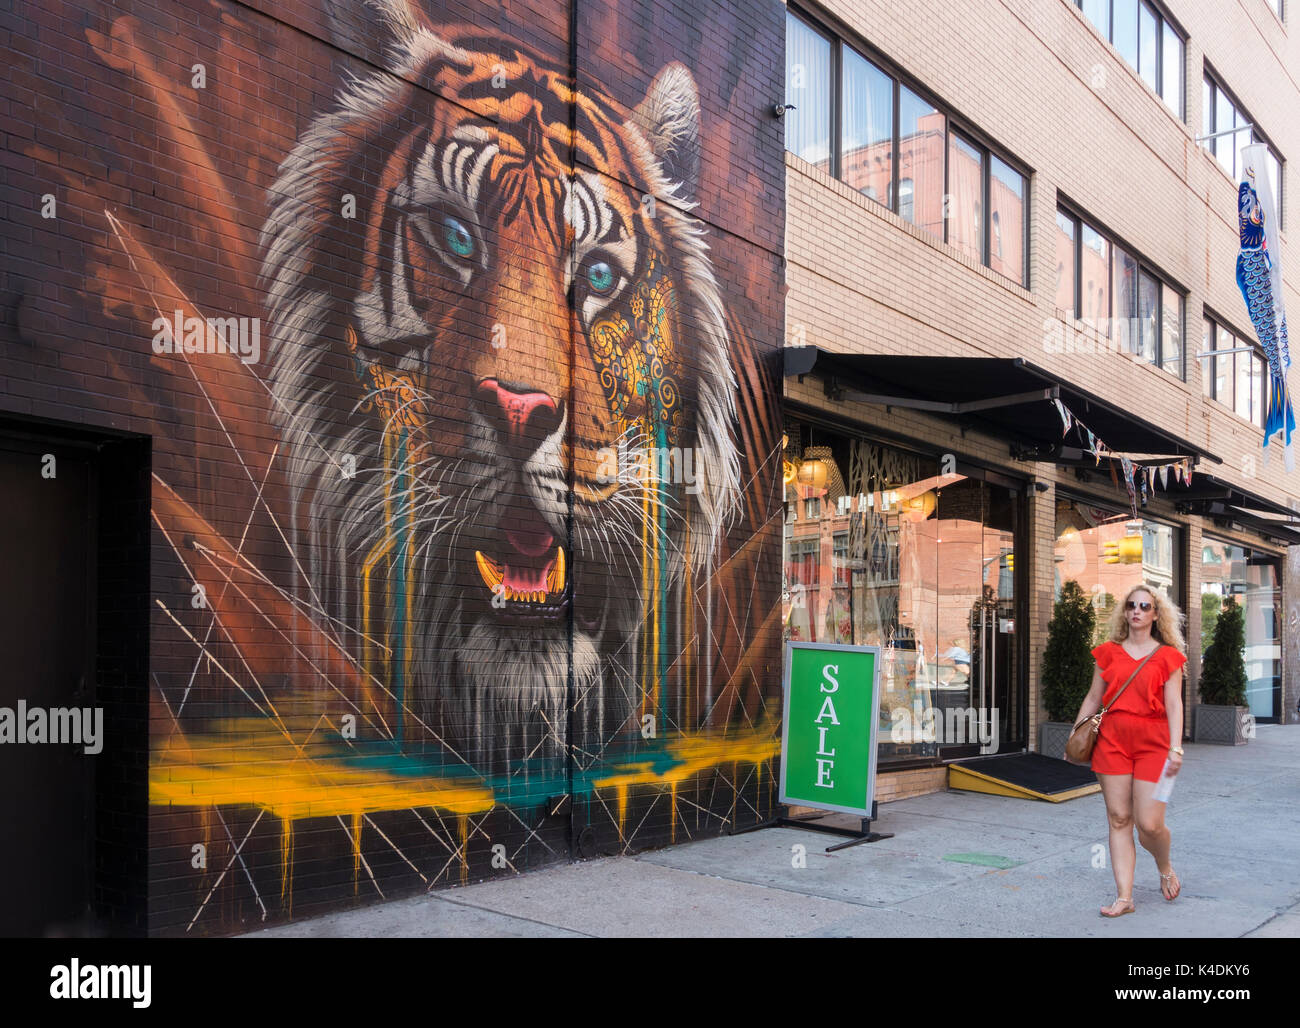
{"x": 828, "y": 737}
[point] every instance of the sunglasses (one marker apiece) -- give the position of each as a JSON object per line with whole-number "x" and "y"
{"x": 1137, "y": 604}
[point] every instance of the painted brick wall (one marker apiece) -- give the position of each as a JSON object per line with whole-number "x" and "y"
{"x": 468, "y": 561}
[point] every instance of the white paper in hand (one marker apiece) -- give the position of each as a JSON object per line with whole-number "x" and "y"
{"x": 1165, "y": 786}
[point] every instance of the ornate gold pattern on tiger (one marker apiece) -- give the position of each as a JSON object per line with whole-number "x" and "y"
{"x": 637, "y": 360}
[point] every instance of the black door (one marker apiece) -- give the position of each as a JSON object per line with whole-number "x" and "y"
{"x": 47, "y": 554}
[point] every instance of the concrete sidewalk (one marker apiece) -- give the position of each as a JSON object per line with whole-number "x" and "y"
{"x": 960, "y": 865}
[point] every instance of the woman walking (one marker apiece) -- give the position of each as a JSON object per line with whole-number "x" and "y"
{"x": 1141, "y": 732}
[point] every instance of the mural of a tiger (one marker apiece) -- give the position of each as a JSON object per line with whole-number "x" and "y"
{"x": 454, "y": 360}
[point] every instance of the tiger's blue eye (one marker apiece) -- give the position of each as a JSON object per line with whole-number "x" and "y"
{"x": 600, "y": 276}
{"x": 458, "y": 237}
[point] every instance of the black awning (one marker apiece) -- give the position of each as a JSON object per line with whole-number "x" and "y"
{"x": 1005, "y": 396}
{"x": 1284, "y": 532}
{"x": 1207, "y": 491}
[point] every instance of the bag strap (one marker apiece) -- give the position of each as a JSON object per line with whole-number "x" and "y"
{"x": 1130, "y": 678}
{"x": 1122, "y": 687}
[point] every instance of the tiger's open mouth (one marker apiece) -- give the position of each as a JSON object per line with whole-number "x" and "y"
{"x": 529, "y": 575}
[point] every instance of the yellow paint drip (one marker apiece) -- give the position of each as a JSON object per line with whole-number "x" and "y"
{"x": 286, "y": 866}
{"x": 356, "y": 850}
{"x": 243, "y": 764}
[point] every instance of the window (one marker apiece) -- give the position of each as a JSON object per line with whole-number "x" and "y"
{"x": 812, "y": 509}
{"x": 978, "y": 180}
{"x": 1007, "y": 211}
{"x": 1148, "y": 318}
{"x": 965, "y": 191}
{"x": 807, "y": 88}
{"x": 1066, "y": 298}
{"x": 905, "y": 199}
{"x": 1239, "y": 381}
{"x": 1125, "y": 289}
{"x": 1114, "y": 292}
{"x": 1221, "y": 114}
{"x": 891, "y": 142}
{"x": 1094, "y": 276}
{"x": 920, "y": 157}
{"x": 840, "y": 559}
{"x": 1148, "y": 46}
{"x": 1171, "y": 330}
{"x": 867, "y": 126}
{"x": 804, "y": 566}
{"x": 1144, "y": 38}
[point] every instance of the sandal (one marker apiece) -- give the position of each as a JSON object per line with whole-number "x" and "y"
{"x": 1171, "y": 882}
{"x": 1120, "y": 899}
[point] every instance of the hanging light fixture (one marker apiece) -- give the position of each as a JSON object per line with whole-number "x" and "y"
{"x": 813, "y": 472}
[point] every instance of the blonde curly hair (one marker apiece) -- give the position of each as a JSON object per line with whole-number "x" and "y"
{"x": 1167, "y": 628}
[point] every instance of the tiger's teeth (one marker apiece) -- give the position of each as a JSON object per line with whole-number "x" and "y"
{"x": 556, "y": 579}
{"x": 492, "y": 574}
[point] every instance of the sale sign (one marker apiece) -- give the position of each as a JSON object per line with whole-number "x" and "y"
{"x": 829, "y": 734}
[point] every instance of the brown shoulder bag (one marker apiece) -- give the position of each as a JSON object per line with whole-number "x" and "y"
{"x": 1078, "y": 748}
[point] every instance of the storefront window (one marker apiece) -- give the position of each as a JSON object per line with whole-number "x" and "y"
{"x": 921, "y": 564}
{"x": 1252, "y": 579}
{"x": 1107, "y": 551}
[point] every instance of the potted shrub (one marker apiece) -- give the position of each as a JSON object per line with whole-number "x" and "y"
{"x": 1222, "y": 715}
{"x": 1067, "y": 667}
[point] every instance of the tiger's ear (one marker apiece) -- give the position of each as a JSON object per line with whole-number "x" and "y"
{"x": 669, "y": 118}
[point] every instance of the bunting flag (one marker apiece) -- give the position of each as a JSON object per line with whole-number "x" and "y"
{"x": 1065, "y": 416}
{"x": 1137, "y": 478}
{"x": 1127, "y": 466}
{"x": 1259, "y": 276}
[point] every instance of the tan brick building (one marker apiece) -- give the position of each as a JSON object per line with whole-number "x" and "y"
{"x": 1078, "y": 124}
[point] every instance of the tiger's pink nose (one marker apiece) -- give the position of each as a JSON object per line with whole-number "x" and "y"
{"x": 520, "y": 413}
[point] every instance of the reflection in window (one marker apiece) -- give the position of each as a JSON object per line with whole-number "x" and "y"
{"x": 1126, "y": 299}
{"x": 965, "y": 187}
{"x": 921, "y": 132}
{"x": 1125, "y": 30}
{"x": 1007, "y": 204}
{"x": 1065, "y": 263}
{"x": 917, "y": 563}
{"x": 867, "y": 126}
{"x": 1251, "y": 579}
{"x": 1223, "y": 380}
{"x": 1148, "y": 317}
{"x": 1240, "y": 381}
{"x": 1221, "y": 114}
{"x": 1172, "y": 60}
{"x": 1107, "y": 552}
{"x": 1150, "y": 45}
{"x": 905, "y": 209}
{"x": 1095, "y": 268}
{"x": 1171, "y": 321}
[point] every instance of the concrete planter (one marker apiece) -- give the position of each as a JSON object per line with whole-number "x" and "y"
{"x": 1224, "y": 726}
{"x": 1052, "y": 737}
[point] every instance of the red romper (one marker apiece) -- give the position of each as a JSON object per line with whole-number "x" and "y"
{"x": 1134, "y": 736}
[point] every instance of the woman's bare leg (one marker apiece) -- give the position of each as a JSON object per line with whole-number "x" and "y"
{"x": 1117, "y": 791}
{"x": 1153, "y": 833}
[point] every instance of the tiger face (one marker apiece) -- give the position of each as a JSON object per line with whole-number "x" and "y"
{"x": 491, "y": 353}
